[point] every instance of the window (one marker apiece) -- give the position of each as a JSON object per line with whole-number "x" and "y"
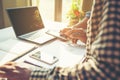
{"x": 46, "y": 8}
{"x": 65, "y": 7}
{"x": 53, "y": 9}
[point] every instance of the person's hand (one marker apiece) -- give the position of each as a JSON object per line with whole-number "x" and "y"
{"x": 64, "y": 31}
{"x": 13, "y": 72}
{"x": 76, "y": 34}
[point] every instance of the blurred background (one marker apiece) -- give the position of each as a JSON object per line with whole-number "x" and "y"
{"x": 53, "y": 10}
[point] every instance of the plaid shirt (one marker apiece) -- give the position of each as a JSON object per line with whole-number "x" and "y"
{"x": 103, "y": 48}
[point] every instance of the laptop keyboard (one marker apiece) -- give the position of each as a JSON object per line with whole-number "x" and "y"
{"x": 39, "y": 37}
{"x": 35, "y": 36}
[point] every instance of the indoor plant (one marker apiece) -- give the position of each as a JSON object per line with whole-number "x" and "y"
{"x": 75, "y": 14}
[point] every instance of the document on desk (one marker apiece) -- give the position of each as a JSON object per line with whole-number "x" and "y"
{"x": 6, "y": 57}
{"x": 16, "y": 46}
{"x": 70, "y": 55}
{"x": 67, "y": 55}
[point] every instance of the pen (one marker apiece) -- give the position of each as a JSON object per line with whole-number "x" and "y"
{"x": 3, "y": 79}
{"x": 32, "y": 63}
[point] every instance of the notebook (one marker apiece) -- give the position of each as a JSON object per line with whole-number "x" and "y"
{"x": 13, "y": 49}
{"x": 28, "y": 24}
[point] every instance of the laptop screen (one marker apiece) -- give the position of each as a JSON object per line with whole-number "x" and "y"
{"x": 25, "y": 20}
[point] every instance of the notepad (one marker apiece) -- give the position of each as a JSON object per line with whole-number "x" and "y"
{"x": 6, "y": 57}
{"x": 16, "y": 46}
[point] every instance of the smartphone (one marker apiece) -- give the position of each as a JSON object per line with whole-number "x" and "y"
{"x": 46, "y": 58}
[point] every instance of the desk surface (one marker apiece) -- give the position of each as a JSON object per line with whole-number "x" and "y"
{"x": 67, "y": 55}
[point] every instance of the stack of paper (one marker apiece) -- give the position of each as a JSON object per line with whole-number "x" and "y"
{"x": 16, "y": 46}
{"x": 6, "y": 57}
{"x": 13, "y": 48}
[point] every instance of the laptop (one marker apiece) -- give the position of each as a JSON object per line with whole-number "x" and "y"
{"x": 28, "y": 24}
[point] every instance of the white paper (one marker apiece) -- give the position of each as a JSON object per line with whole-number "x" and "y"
{"x": 68, "y": 55}
{"x": 6, "y": 57}
{"x": 15, "y": 46}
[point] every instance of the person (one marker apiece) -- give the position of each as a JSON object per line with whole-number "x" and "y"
{"x": 103, "y": 51}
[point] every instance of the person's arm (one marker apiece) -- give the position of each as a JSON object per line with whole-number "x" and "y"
{"x": 83, "y": 23}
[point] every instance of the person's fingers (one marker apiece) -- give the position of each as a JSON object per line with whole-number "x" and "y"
{"x": 9, "y": 75}
{"x": 14, "y": 72}
{"x": 62, "y": 32}
{"x": 10, "y": 63}
{"x": 65, "y": 29}
{"x": 2, "y": 74}
{"x": 67, "y": 33}
{"x": 74, "y": 41}
{"x": 77, "y": 33}
{"x": 7, "y": 68}
{"x": 21, "y": 68}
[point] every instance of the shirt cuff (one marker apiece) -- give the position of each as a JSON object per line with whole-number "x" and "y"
{"x": 40, "y": 74}
{"x": 88, "y": 14}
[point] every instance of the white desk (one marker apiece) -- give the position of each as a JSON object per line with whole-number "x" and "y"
{"x": 68, "y": 55}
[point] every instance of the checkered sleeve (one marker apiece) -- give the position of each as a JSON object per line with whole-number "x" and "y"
{"x": 40, "y": 74}
{"x": 103, "y": 42}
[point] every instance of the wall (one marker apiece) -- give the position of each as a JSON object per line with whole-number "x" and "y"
{"x": 86, "y": 5}
{"x": 1, "y": 15}
{"x": 11, "y": 4}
